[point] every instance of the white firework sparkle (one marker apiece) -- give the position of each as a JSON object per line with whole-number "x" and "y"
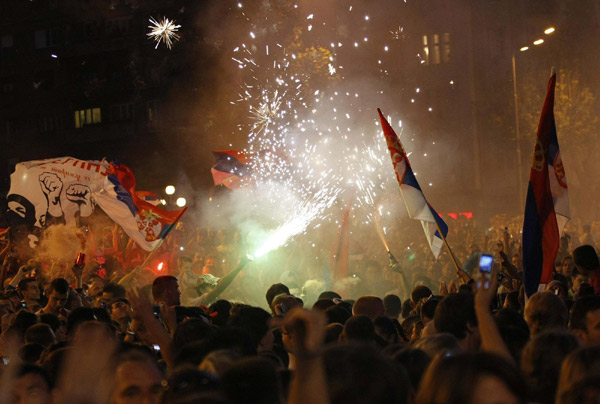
{"x": 164, "y": 30}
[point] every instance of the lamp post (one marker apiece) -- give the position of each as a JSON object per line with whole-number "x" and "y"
{"x": 537, "y": 42}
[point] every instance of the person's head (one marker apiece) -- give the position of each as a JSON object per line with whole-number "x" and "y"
{"x": 252, "y": 380}
{"x": 120, "y": 310}
{"x": 585, "y": 320}
{"x": 29, "y": 289}
{"x": 577, "y": 366}
{"x": 419, "y": 293}
{"x": 190, "y": 330}
{"x": 322, "y": 304}
{"x": 337, "y": 314}
{"x": 217, "y": 362}
{"x": 255, "y": 322}
{"x": 96, "y": 287}
{"x": 586, "y": 391}
{"x": 541, "y": 361}
{"x": 566, "y": 266}
{"x": 165, "y": 290}
{"x": 585, "y": 258}
{"x": 455, "y": 314}
{"x": 393, "y": 306}
{"x": 138, "y": 380}
{"x": 274, "y": 290}
{"x": 210, "y": 262}
{"x": 370, "y": 306}
{"x": 578, "y": 278}
{"x": 438, "y": 344}
{"x": 474, "y": 378}
{"x": 511, "y": 301}
{"x": 427, "y": 310}
{"x": 358, "y": 329}
{"x": 283, "y": 303}
{"x": 40, "y": 334}
{"x": 31, "y": 385}
{"x": 219, "y": 312}
{"x": 415, "y": 362}
{"x": 184, "y": 263}
{"x": 328, "y": 294}
{"x": 358, "y": 373}
{"x": 58, "y": 293}
{"x": 385, "y": 328}
{"x": 112, "y": 292}
{"x": 544, "y": 311}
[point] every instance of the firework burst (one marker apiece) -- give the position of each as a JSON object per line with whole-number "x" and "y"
{"x": 165, "y": 31}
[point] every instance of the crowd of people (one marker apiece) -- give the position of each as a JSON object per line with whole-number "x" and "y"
{"x": 200, "y": 323}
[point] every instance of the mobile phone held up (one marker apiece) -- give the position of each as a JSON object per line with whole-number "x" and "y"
{"x": 485, "y": 268}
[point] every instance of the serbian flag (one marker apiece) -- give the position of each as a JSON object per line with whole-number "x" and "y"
{"x": 547, "y": 205}
{"x": 145, "y": 223}
{"x": 338, "y": 259}
{"x": 231, "y": 167}
{"x": 414, "y": 199}
{"x": 149, "y": 197}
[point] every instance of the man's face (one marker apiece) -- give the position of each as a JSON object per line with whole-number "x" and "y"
{"x": 578, "y": 281}
{"x": 57, "y": 300}
{"x": 185, "y": 266}
{"x": 95, "y": 288}
{"x": 209, "y": 263}
{"x": 32, "y": 292}
{"x": 31, "y": 389}
{"x": 137, "y": 383}
{"x": 592, "y": 324}
{"x": 119, "y": 311}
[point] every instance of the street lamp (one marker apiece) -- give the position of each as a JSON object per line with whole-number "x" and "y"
{"x": 169, "y": 190}
{"x": 180, "y": 202}
{"x": 537, "y": 42}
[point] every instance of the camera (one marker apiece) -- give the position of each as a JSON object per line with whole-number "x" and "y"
{"x": 485, "y": 268}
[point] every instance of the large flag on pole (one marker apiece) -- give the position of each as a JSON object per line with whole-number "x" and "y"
{"x": 547, "y": 205}
{"x": 230, "y": 168}
{"x": 414, "y": 199}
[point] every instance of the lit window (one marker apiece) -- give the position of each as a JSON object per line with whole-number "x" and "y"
{"x": 446, "y": 48}
{"x": 96, "y": 115}
{"x": 436, "y": 49}
{"x": 88, "y": 116}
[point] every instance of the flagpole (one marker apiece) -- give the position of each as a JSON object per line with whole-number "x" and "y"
{"x": 456, "y": 266}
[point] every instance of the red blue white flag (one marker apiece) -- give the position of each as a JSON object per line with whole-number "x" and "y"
{"x": 145, "y": 223}
{"x": 547, "y": 205}
{"x": 414, "y": 199}
{"x": 231, "y": 168}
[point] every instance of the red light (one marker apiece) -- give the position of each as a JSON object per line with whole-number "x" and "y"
{"x": 160, "y": 266}
{"x": 453, "y": 215}
{"x": 468, "y": 215}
